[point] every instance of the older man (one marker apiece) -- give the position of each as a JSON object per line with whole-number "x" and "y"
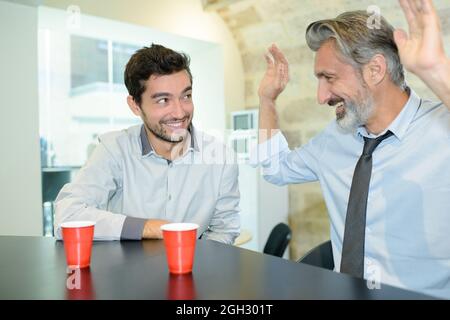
{"x": 383, "y": 165}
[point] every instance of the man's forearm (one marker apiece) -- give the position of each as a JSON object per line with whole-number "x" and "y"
{"x": 438, "y": 80}
{"x": 108, "y": 225}
{"x": 268, "y": 119}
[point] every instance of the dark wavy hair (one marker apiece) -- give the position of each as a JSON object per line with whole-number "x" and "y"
{"x": 147, "y": 61}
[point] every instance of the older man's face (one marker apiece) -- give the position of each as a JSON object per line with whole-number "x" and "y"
{"x": 342, "y": 87}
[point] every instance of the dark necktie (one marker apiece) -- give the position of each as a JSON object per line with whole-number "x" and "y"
{"x": 352, "y": 261}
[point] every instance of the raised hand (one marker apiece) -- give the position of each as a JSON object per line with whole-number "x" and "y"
{"x": 422, "y": 51}
{"x": 277, "y": 74}
{"x": 272, "y": 84}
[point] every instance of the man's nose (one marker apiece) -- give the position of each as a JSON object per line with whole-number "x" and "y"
{"x": 323, "y": 93}
{"x": 178, "y": 111}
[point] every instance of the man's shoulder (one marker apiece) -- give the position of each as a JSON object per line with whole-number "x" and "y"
{"x": 331, "y": 131}
{"x": 331, "y": 138}
{"x": 120, "y": 138}
{"x": 433, "y": 118}
{"x": 433, "y": 108}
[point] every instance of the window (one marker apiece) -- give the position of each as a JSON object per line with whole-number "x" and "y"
{"x": 82, "y": 94}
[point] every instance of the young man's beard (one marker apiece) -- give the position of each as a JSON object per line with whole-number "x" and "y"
{"x": 159, "y": 132}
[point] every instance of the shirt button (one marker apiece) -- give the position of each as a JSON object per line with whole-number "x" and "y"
{"x": 170, "y": 197}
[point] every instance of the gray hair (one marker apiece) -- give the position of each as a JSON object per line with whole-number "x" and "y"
{"x": 357, "y": 42}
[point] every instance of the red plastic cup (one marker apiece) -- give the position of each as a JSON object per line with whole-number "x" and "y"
{"x": 77, "y": 237}
{"x": 179, "y": 240}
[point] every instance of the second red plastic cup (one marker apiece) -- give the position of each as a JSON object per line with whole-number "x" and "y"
{"x": 78, "y": 237}
{"x": 180, "y": 240}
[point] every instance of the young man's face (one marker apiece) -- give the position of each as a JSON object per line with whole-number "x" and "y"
{"x": 341, "y": 86}
{"x": 166, "y": 106}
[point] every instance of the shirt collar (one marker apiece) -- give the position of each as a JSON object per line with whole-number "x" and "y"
{"x": 147, "y": 147}
{"x": 401, "y": 123}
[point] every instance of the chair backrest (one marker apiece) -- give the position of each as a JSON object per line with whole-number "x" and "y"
{"x": 52, "y": 182}
{"x": 278, "y": 240}
{"x": 320, "y": 256}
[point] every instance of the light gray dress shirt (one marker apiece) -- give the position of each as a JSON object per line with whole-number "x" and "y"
{"x": 125, "y": 182}
{"x": 407, "y": 241}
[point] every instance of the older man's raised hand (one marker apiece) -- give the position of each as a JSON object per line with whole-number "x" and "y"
{"x": 422, "y": 50}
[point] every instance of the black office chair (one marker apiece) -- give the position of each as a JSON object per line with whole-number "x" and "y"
{"x": 278, "y": 240}
{"x": 320, "y": 256}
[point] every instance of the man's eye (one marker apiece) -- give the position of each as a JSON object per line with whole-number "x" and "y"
{"x": 162, "y": 101}
{"x": 188, "y": 96}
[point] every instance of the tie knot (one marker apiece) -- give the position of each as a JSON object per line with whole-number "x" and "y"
{"x": 371, "y": 144}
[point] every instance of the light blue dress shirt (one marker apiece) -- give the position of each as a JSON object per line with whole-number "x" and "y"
{"x": 407, "y": 241}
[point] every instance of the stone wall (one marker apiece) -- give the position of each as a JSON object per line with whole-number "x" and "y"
{"x": 256, "y": 24}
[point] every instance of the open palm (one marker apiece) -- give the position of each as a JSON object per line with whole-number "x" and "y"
{"x": 422, "y": 50}
{"x": 277, "y": 74}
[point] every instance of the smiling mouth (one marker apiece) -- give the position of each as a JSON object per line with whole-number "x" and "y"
{"x": 177, "y": 124}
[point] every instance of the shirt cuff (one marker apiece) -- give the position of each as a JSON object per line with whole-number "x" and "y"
{"x": 132, "y": 228}
{"x": 263, "y": 152}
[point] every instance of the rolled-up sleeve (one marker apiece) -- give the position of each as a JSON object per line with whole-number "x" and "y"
{"x": 133, "y": 228}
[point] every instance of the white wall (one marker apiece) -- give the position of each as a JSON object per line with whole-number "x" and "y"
{"x": 20, "y": 182}
{"x": 181, "y": 17}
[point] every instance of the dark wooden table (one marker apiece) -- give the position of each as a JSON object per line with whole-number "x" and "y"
{"x": 35, "y": 268}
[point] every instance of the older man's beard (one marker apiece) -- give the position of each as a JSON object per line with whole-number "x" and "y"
{"x": 355, "y": 114}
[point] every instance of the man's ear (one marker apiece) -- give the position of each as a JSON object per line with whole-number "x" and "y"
{"x": 375, "y": 70}
{"x": 134, "y": 107}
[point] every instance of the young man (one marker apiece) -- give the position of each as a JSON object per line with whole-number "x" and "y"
{"x": 145, "y": 176}
{"x": 383, "y": 165}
